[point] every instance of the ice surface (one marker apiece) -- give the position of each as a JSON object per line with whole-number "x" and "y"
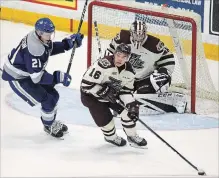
{"x": 27, "y": 151}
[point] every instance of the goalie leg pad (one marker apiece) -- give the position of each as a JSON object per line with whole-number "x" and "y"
{"x": 161, "y": 103}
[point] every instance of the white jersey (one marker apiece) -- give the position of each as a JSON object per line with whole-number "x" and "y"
{"x": 150, "y": 56}
{"x": 105, "y": 71}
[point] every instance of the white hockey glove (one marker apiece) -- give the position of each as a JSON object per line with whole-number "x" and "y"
{"x": 160, "y": 80}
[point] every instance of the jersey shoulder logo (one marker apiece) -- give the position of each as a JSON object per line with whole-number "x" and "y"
{"x": 24, "y": 42}
{"x": 160, "y": 46}
{"x": 117, "y": 38}
{"x": 136, "y": 62}
{"x": 105, "y": 63}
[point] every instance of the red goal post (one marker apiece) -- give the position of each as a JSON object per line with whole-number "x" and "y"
{"x": 95, "y": 13}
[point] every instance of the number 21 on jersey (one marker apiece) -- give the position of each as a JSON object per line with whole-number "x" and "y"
{"x": 36, "y": 63}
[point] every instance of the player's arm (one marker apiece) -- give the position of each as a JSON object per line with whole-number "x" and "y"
{"x": 126, "y": 93}
{"x": 113, "y": 44}
{"x": 161, "y": 78}
{"x": 36, "y": 68}
{"x": 167, "y": 60}
{"x": 92, "y": 79}
{"x": 67, "y": 44}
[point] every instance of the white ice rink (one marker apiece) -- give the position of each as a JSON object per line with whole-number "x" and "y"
{"x": 26, "y": 151}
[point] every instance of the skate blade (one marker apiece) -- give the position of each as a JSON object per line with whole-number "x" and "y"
{"x": 57, "y": 138}
{"x": 137, "y": 146}
{"x": 114, "y": 144}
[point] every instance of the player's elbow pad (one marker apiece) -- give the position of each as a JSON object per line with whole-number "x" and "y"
{"x": 58, "y": 47}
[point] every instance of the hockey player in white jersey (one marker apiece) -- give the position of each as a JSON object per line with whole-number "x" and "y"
{"x": 108, "y": 80}
{"x": 154, "y": 64}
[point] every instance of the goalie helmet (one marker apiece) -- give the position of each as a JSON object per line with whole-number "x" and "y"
{"x": 138, "y": 31}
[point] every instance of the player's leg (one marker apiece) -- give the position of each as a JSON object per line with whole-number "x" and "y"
{"x": 103, "y": 118}
{"x": 129, "y": 127}
{"x": 52, "y": 91}
{"x": 34, "y": 94}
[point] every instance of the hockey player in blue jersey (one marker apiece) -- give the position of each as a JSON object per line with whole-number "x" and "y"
{"x": 25, "y": 71}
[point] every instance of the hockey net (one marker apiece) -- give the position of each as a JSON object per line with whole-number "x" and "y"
{"x": 181, "y": 33}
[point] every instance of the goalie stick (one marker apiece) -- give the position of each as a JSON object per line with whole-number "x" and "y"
{"x": 200, "y": 171}
{"x": 79, "y": 29}
{"x": 98, "y": 39}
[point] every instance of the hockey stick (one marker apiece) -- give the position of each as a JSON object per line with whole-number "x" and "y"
{"x": 75, "y": 45}
{"x": 98, "y": 39}
{"x": 200, "y": 172}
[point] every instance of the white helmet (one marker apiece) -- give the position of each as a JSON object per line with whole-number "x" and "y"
{"x": 138, "y": 31}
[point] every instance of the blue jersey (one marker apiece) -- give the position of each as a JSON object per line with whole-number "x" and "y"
{"x": 29, "y": 59}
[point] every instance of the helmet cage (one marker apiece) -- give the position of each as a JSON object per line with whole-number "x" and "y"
{"x": 138, "y": 32}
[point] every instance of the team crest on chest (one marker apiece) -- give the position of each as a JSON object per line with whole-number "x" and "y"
{"x": 136, "y": 61}
{"x": 115, "y": 83}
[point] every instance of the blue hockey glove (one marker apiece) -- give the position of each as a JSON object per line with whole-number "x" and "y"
{"x": 61, "y": 77}
{"x": 69, "y": 41}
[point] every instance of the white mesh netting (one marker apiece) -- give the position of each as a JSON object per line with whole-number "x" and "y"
{"x": 110, "y": 21}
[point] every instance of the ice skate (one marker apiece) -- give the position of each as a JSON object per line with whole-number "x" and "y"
{"x": 118, "y": 141}
{"x": 137, "y": 142}
{"x": 57, "y": 129}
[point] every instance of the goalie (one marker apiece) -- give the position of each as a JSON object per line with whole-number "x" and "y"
{"x": 154, "y": 64}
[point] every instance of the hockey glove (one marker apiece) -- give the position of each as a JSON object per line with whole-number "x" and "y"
{"x": 133, "y": 110}
{"x": 160, "y": 80}
{"x": 69, "y": 41}
{"x": 61, "y": 77}
{"x": 108, "y": 93}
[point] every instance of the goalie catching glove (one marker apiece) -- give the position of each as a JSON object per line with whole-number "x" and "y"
{"x": 133, "y": 111}
{"x": 160, "y": 80}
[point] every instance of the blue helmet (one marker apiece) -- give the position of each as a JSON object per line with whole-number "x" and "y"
{"x": 45, "y": 25}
